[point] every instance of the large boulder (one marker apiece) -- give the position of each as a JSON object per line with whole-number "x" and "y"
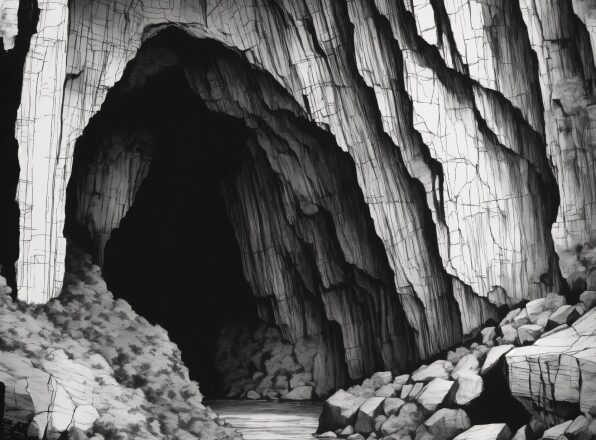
{"x": 365, "y": 418}
{"x": 469, "y": 387}
{"x": 434, "y": 393}
{"x": 339, "y": 411}
{"x": 588, "y": 299}
{"x": 558, "y": 369}
{"x": 447, "y": 423}
{"x": 493, "y": 431}
{"x": 559, "y": 316}
{"x": 51, "y": 395}
{"x": 467, "y": 365}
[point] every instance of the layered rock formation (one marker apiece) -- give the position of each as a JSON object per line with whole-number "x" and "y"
{"x": 448, "y": 138}
{"x": 466, "y": 130}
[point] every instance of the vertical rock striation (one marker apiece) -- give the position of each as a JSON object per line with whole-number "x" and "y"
{"x": 465, "y": 123}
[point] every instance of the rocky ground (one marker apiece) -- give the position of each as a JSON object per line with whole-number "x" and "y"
{"x": 256, "y": 363}
{"x": 88, "y": 365}
{"x": 545, "y": 350}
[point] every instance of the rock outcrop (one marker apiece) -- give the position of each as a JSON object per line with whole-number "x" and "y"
{"x": 86, "y": 363}
{"x": 449, "y": 150}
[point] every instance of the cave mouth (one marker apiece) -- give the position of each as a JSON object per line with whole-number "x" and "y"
{"x": 174, "y": 255}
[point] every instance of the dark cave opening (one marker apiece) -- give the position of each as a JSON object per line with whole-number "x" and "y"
{"x": 174, "y": 256}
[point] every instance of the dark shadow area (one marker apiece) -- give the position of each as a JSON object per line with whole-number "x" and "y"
{"x": 496, "y": 404}
{"x": 175, "y": 257}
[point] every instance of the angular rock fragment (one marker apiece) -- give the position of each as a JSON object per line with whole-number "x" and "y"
{"x": 553, "y": 301}
{"x": 387, "y": 390}
{"x": 303, "y": 392}
{"x": 467, "y": 365}
{"x": 434, "y": 393}
{"x": 588, "y": 299}
{"x": 509, "y": 333}
{"x": 392, "y": 405}
{"x": 439, "y": 368}
{"x": 408, "y": 419}
{"x": 447, "y": 423}
{"x": 493, "y": 431}
{"x": 339, "y": 411}
{"x": 555, "y": 432}
{"x": 469, "y": 387}
{"x": 493, "y": 357}
{"x": 559, "y": 316}
{"x": 381, "y": 378}
{"x": 528, "y": 333}
{"x": 488, "y": 335}
{"x": 365, "y": 419}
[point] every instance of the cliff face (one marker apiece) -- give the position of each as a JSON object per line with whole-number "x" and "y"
{"x": 463, "y": 124}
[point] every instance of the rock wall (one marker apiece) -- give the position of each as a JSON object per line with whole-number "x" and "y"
{"x": 467, "y": 122}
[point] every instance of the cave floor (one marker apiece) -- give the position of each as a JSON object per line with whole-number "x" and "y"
{"x": 269, "y": 420}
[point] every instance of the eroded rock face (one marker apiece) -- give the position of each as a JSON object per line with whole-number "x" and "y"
{"x": 449, "y": 149}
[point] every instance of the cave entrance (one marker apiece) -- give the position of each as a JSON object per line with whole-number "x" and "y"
{"x": 174, "y": 255}
{"x": 220, "y": 211}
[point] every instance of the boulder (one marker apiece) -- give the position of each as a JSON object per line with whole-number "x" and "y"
{"x": 528, "y": 333}
{"x": 521, "y": 318}
{"x": 299, "y": 379}
{"x": 387, "y": 390}
{"x": 534, "y": 308}
{"x": 467, "y": 365}
{"x": 447, "y": 423}
{"x": 488, "y": 335}
{"x": 347, "y": 431}
{"x": 381, "y": 378}
{"x": 339, "y": 411}
{"x": 379, "y": 420}
{"x": 509, "y": 333}
{"x": 439, "y": 368}
{"x": 556, "y": 431}
{"x": 411, "y": 390}
{"x": 253, "y": 395}
{"x": 588, "y": 299}
{"x": 542, "y": 319}
{"x": 400, "y": 381}
{"x": 327, "y": 434}
{"x": 423, "y": 434}
{"x": 303, "y": 392}
{"x": 493, "y": 356}
{"x": 559, "y": 316}
{"x": 579, "y": 425}
{"x": 365, "y": 419}
{"x": 493, "y": 431}
{"x": 408, "y": 419}
{"x": 434, "y": 393}
{"x": 553, "y": 301}
{"x": 355, "y": 436}
{"x": 392, "y": 405}
{"x": 558, "y": 368}
{"x": 468, "y": 387}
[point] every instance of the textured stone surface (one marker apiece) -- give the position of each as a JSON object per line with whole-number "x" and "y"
{"x": 493, "y": 431}
{"x": 559, "y": 369}
{"x": 339, "y": 411}
{"x": 447, "y": 423}
{"x": 86, "y": 361}
{"x": 433, "y": 123}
